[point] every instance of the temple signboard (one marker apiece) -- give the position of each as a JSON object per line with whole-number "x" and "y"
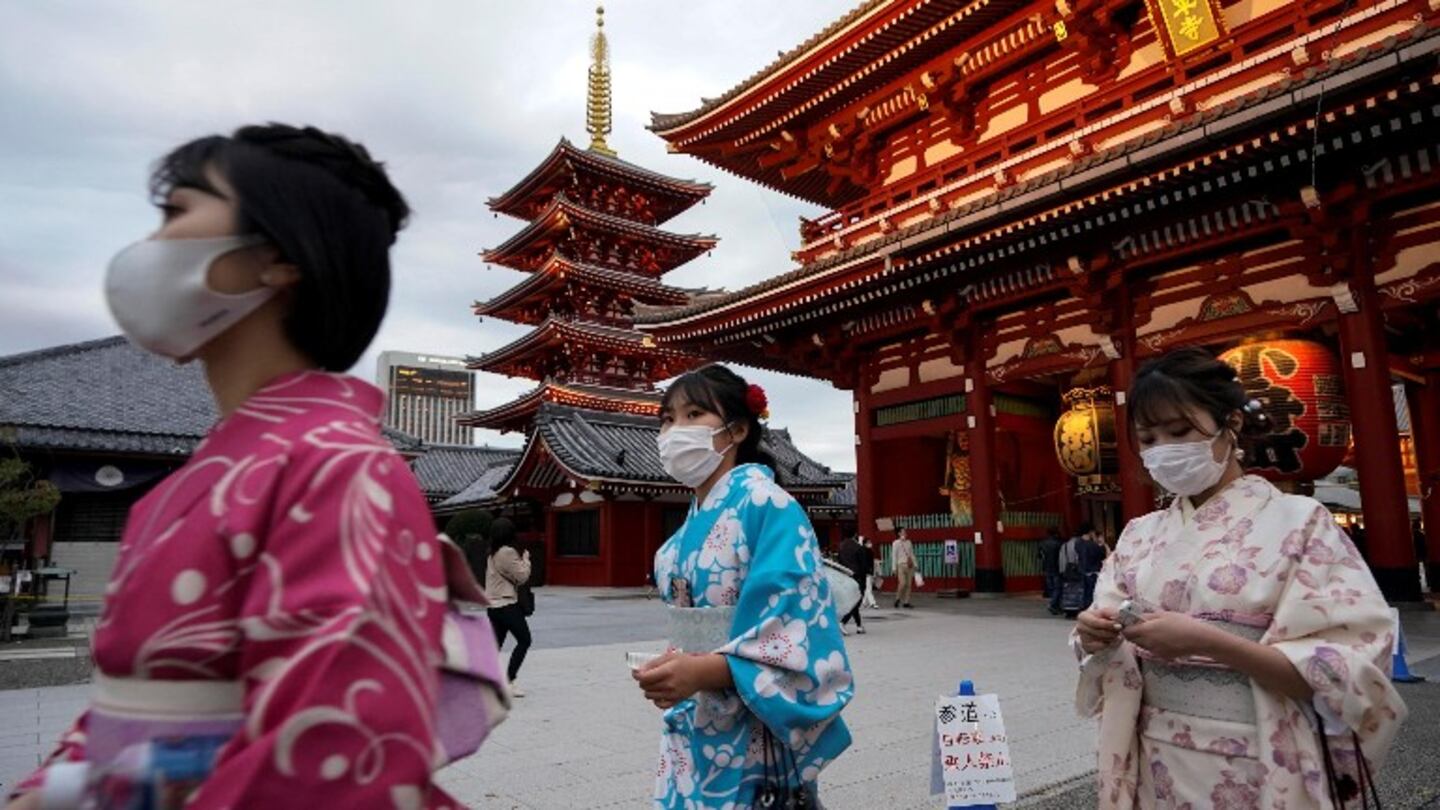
{"x": 1185, "y": 25}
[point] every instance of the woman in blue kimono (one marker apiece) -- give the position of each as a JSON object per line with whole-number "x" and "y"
{"x": 757, "y": 675}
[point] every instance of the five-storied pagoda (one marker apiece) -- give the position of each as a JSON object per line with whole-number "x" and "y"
{"x": 589, "y": 482}
{"x": 1029, "y": 198}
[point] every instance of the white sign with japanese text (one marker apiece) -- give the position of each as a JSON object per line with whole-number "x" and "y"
{"x": 952, "y": 552}
{"x": 974, "y": 751}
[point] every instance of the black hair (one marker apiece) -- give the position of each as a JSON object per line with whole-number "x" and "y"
{"x": 1171, "y": 386}
{"x": 718, "y": 390}
{"x": 326, "y": 205}
{"x": 502, "y": 534}
{"x": 1085, "y": 527}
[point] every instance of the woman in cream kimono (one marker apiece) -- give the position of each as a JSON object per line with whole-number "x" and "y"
{"x": 1260, "y": 623}
{"x": 757, "y": 675}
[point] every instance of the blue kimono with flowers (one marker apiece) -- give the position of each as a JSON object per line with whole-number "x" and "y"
{"x": 750, "y": 546}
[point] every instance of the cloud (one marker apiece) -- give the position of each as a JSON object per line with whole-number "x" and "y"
{"x": 461, "y": 99}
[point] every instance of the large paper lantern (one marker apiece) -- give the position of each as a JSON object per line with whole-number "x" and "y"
{"x": 1298, "y": 384}
{"x": 1085, "y": 438}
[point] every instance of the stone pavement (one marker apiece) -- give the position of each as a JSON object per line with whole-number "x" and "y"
{"x": 584, "y": 736}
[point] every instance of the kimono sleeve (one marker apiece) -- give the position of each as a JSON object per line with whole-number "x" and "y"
{"x": 787, "y": 657}
{"x": 341, "y": 627}
{"x": 1335, "y": 627}
{"x": 71, "y": 748}
{"x": 1112, "y": 672}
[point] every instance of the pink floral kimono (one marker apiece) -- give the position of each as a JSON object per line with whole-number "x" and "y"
{"x": 1270, "y": 567}
{"x": 285, "y": 586}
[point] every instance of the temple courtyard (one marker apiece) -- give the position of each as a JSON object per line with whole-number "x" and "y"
{"x": 584, "y": 736}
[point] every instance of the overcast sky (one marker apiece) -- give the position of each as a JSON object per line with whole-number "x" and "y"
{"x": 460, "y": 99}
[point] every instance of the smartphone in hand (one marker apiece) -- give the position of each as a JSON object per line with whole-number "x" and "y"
{"x": 1128, "y": 614}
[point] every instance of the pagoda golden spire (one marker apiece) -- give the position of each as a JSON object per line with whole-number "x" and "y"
{"x": 597, "y": 106}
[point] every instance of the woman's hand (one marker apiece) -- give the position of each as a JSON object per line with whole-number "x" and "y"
{"x": 1098, "y": 629}
{"x": 677, "y": 676}
{"x": 28, "y": 801}
{"x": 1173, "y": 635}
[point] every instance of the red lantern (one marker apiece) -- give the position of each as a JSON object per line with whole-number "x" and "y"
{"x": 1298, "y": 385}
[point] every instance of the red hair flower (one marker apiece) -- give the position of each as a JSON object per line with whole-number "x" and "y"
{"x": 757, "y": 402}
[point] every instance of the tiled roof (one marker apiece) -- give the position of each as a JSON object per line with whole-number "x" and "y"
{"x": 566, "y": 213}
{"x": 481, "y": 491}
{"x": 563, "y": 159}
{"x": 107, "y": 396}
{"x": 444, "y": 470}
{"x": 598, "y": 445}
{"x": 841, "y": 500}
{"x": 104, "y": 396}
{"x": 638, "y": 287}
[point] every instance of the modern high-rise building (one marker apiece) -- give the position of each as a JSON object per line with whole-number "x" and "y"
{"x": 425, "y": 393}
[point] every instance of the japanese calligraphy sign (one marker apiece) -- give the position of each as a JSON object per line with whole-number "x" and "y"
{"x": 1298, "y": 384}
{"x": 1185, "y": 25}
{"x": 973, "y": 750}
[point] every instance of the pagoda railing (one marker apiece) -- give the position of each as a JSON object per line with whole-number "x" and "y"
{"x": 947, "y": 520}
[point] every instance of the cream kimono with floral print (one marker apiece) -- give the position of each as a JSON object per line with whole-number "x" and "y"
{"x": 1271, "y": 567}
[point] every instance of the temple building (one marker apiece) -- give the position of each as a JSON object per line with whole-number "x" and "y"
{"x": 588, "y": 489}
{"x": 1027, "y": 199}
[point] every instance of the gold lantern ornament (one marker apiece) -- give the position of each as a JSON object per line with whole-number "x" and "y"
{"x": 1085, "y": 438}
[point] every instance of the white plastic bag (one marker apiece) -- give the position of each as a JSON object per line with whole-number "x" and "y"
{"x": 919, "y": 580}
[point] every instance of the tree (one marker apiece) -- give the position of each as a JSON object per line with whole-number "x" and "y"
{"x": 471, "y": 532}
{"x": 21, "y": 498}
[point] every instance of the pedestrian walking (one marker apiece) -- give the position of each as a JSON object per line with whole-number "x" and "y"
{"x": 279, "y": 591}
{"x": 870, "y": 581}
{"x": 1254, "y": 668}
{"x": 1050, "y": 568}
{"x": 507, "y": 580}
{"x": 1072, "y": 576}
{"x": 757, "y": 676}
{"x": 854, "y": 556}
{"x": 904, "y": 562}
{"x": 1092, "y": 553}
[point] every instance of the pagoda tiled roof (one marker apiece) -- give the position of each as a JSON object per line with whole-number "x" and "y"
{"x": 1003, "y": 209}
{"x": 553, "y": 331}
{"x": 520, "y": 411}
{"x": 563, "y": 213}
{"x": 444, "y": 470}
{"x": 566, "y": 159}
{"x": 644, "y": 289}
{"x": 108, "y": 396}
{"x": 595, "y": 446}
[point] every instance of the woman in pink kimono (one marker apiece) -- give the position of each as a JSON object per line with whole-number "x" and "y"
{"x": 283, "y": 592}
{"x": 1258, "y": 624}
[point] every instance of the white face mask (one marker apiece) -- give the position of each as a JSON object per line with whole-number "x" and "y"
{"x": 157, "y": 293}
{"x": 1187, "y": 468}
{"x": 688, "y": 453}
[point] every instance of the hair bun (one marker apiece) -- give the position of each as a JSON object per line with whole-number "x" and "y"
{"x": 347, "y": 161}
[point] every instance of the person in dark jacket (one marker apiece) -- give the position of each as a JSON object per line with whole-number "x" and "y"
{"x": 1050, "y": 568}
{"x": 1092, "y": 558}
{"x": 858, "y": 559}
